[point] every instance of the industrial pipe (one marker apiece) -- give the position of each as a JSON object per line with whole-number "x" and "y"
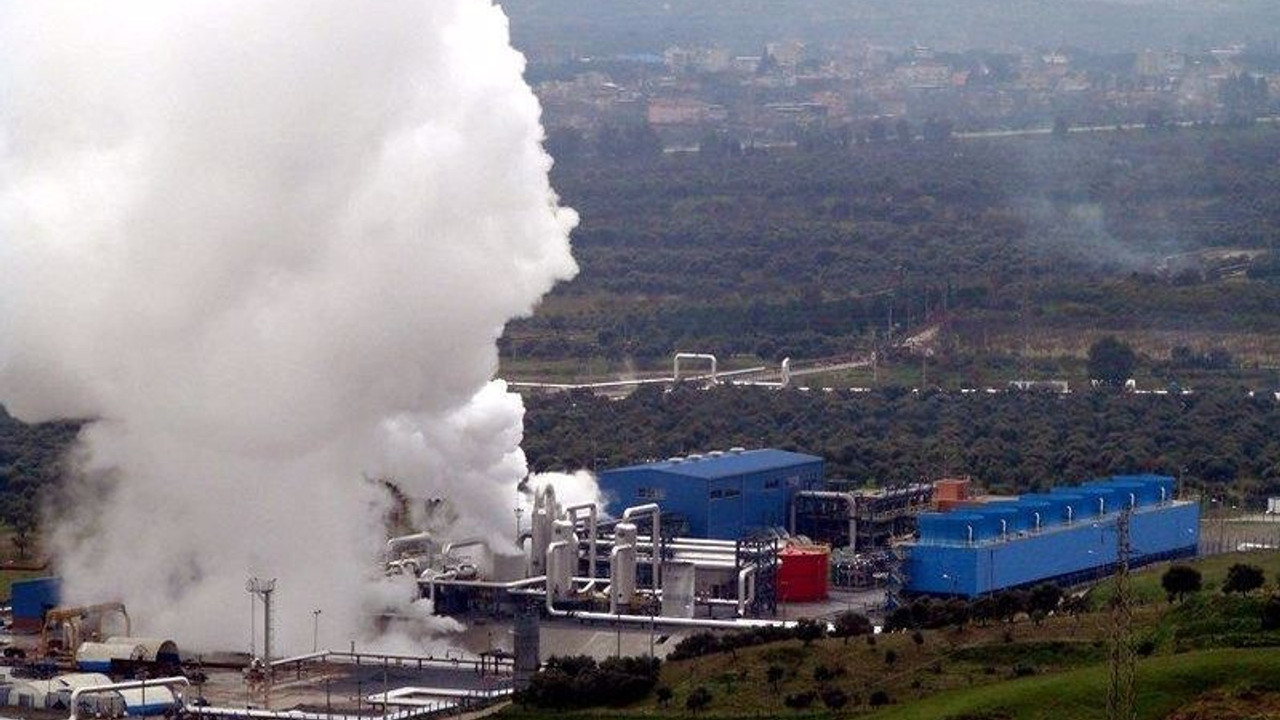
{"x": 655, "y": 561}
{"x": 168, "y": 682}
{"x": 850, "y": 500}
{"x": 592, "y": 516}
{"x": 469, "y": 542}
{"x": 746, "y": 576}
{"x": 394, "y": 543}
{"x": 675, "y": 370}
{"x": 431, "y": 584}
{"x": 551, "y": 592}
{"x": 488, "y": 583}
{"x": 677, "y": 622}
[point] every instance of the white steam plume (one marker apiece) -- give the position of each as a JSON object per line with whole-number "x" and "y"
{"x": 268, "y": 245}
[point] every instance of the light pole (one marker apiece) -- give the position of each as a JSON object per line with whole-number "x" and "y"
{"x": 315, "y": 630}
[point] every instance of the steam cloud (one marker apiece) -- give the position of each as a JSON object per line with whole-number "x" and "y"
{"x": 268, "y": 245}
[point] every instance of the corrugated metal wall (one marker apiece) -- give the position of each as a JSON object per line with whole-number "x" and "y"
{"x": 1072, "y": 540}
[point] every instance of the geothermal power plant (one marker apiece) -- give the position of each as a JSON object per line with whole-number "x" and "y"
{"x": 711, "y": 542}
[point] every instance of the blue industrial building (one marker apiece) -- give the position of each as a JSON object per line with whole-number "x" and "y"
{"x": 30, "y": 599}
{"x": 721, "y": 495}
{"x": 1066, "y": 535}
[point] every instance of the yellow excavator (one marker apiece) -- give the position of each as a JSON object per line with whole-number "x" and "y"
{"x": 70, "y": 619}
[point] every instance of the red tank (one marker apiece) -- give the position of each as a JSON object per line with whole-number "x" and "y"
{"x": 803, "y": 573}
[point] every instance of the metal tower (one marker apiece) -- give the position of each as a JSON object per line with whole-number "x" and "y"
{"x": 1120, "y": 688}
{"x": 762, "y": 554}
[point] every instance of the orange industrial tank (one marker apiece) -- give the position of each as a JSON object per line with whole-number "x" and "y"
{"x": 803, "y": 572}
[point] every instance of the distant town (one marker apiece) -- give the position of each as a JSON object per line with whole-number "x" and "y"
{"x": 791, "y": 93}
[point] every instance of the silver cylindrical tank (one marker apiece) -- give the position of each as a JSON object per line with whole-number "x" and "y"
{"x": 546, "y": 511}
{"x": 622, "y": 566}
{"x": 562, "y": 560}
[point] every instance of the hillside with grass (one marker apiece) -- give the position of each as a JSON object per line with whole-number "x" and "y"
{"x": 1207, "y": 654}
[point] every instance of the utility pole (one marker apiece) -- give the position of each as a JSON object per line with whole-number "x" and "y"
{"x": 1120, "y": 688}
{"x": 315, "y": 630}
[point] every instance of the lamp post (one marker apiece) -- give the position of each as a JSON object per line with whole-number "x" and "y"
{"x": 315, "y": 630}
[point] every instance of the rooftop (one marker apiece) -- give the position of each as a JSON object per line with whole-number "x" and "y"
{"x": 725, "y": 464}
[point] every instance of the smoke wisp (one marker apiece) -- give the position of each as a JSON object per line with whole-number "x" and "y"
{"x": 268, "y": 246}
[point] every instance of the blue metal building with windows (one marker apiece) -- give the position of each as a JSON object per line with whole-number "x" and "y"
{"x": 1066, "y": 535}
{"x": 722, "y": 495}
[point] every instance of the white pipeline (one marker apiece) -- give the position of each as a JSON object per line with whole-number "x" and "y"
{"x": 655, "y": 512}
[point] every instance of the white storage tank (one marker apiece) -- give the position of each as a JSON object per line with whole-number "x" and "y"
{"x": 151, "y": 700}
{"x": 154, "y": 649}
{"x": 678, "y": 582}
{"x": 96, "y": 657}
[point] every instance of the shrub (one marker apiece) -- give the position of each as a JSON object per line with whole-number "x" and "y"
{"x": 917, "y": 637}
{"x": 808, "y": 630}
{"x": 1045, "y": 598}
{"x": 664, "y": 695}
{"x": 1271, "y": 613}
{"x": 1243, "y": 579}
{"x": 890, "y": 656}
{"x": 698, "y": 700}
{"x": 578, "y": 681}
{"x": 879, "y": 698}
{"x": 1023, "y": 670}
{"x": 834, "y": 698}
{"x": 774, "y": 675}
{"x": 851, "y": 624}
{"x": 801, "y": 700}
{"x": 1179, "y": 581}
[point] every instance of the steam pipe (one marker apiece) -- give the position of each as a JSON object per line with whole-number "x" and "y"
{"x": 654, "y": 561}
{"x": 689, "y": 541}
{"x": 747, "y": 575}
{"x": 1037, "y": 516}
{"x": 431, "y": 585}
{"x": 676, "y": 622}
{"x": 970, "y": 528}
{"x": 551, "y": 592}
{"x": 675, "y": 369}
{"x": 488, "y": 583}
{"x": 394, "y": 543}
{"x": 469, "y": 542}
{"x": 592, "y": 517}
{"x": 850, "y": 500}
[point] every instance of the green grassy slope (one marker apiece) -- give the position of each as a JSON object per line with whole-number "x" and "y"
{"x": 1165, "y": 684}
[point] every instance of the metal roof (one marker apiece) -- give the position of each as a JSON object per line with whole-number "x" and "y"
{"x": 729, "y": 464}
